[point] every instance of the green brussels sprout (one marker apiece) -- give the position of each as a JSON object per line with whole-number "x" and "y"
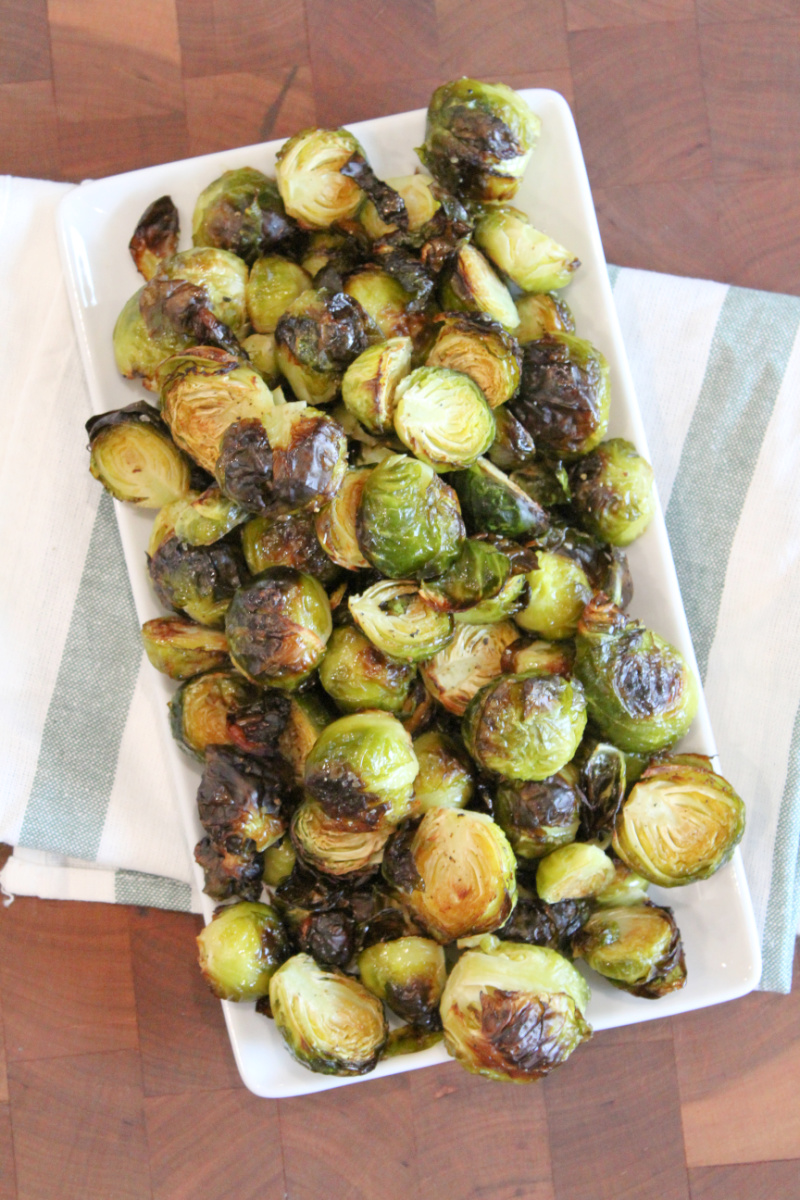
{"x": 538, "y": 658}
{"x": 512, "y": 446}
{"x": 603, "y": 780}
{"x": 640, "y": 692}
{"x": 537, "y": 817}
{"x": 407, "y": 974}
{"x": 409, "y": 522}
{"x": 370, "y": 382}
{"x": 273, "y": 284}
{"x": 202, "y": 520}
{"x": 479, "y": 347}
{"x": 197, "y": 580}
{"x": 397, "y": 620}
{"x": 137, "y": 351}
{"x": 529, "y": 258}
{"x": 545, "y": 482}
{"x": 525, "y": 726}
{"x": 223, "y": 277}
{"x": 279, "y": 861}
{"x": 203, "y": 391}
{"x": 356, "y": 675}
{"x": 471, "y": 285}
{"x": 681, "y": 822}
{"x": 289, "y": 541}
{"x": 514, "y": 1012}
{"x": 312, "y": 186}
{"x": 181, "y": 649}
{"x": 336, "y": 523}
{"x": 240, "y": 950}
{"x": 625, "y": 888}
{"x": 418, "y": 196}
{"x": 446, "y": 778}
{"x": 573, "y": 872}
{"x": 558, "y": 592}
{"x": 278, "y": 627}
{"x": 460, "y": 874}
{"x": 470, "y": 661}
{"x": 613, "y": 492}
{"x": 242, "y": 212}
{"x": 493, "y": 504}
{"x": 262, "y": 351}
{"x": 443, "y": 418}
{"x": 198, "y": 712}
{"x": 329, "y": 1021}
{"x": 362, "y": 769}
{"x": 334, "y": 846}
{"x": 564, "y": 396}
{"x": 541, "y": 314}
{"x": 384, "y": 299}
{"x": 134, "y": 457}
{"x": 478, "y": 139}
{"x": 497, "y": 608}
{"x": 309, "y": 714}
{"x": 155, "y": 237}
{"x": 636, "y": 947}
{"x": 318, "y": 335}
{"x": 606, "y": 566}
{"x": 479, "y": 573}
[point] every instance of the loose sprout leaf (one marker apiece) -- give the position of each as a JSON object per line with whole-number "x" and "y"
{"x": 155, "y": 237}
{"x": 390, "y": 204}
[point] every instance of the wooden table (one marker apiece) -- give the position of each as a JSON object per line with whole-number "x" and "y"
{"x": 116, "y": 1080}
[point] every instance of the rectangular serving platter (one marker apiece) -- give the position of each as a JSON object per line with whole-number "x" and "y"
{"x": 96, "y": 221}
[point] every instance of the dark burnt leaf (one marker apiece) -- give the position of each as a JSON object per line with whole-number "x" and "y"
{"x": 390, "y": 205}
{"x": 523, "y": 1035}
{"x": 331, "y": 337}
{"x": 183, "y": 574}
{"x": 603, "y": 781}
{"x": 559, "y": 397}
{"x": 263, "y": 1007}
{"x": 245, "y": 465}
{"x": 412, "y": 275}
{"x": 155, "y": 237}
{"x": 386, "y": 923}
{"x": 540, "y": 924}
{"x": 183, "y": 307}
{"x": 237, "y": 791}
{"x": 139, "y": 413}
{"x": 255, "y": 730}
{"x": 304, "y": 471}
{"x": 416, "y": 1002}
{"x": 340, "y": 791}
{"x": 398, "y": 867}
{"x": 311, "y": 892}
{"x": 481, "y": 133}
{"x": 328, "y": 936}
{"x": 232, "y": 869}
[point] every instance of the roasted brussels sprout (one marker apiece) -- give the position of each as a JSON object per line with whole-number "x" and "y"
{"x": 525, "y": 726}
{"x": 362, "y": 769}
{"x": 356, "y": 675}
{"x": 467, "y": 664}
{"x": 603, "y": 779}
{"x": 443, "y": 418}
{"x": 558, "y": 592}
{"x": 680, "y": 823}
{"x": 279, "y": 862}
{"x": 230, "y": 868}
{"x": 625, "y": 888}
{"x": 529, "y": 258}
{"x": 181, "y": 649}
{"x": 636, "y": 947}
{"x": 370, "y": 383}
{"x": 409, "y": 975}
{"x": 460, "y": 878}
{"x": 479, "y": 573}
{"x": 639, "y": 691}
{"x": 384, "y": 299}
{"x": 197, "y": 580}
{"x": 138, "y": 352}
{"x": 205, "y": 519}
{"x": 240, "y": 949}
{"x": 200, "y": 707}
{"x": 262, "y": 351}
{"x": 273, "y": 284}
{"x": 514, "y": 1012}
{"x": 155, "y": 237}
{"x": 491, "y": 503}
{"x": 205, "y": 390}
{"x": 256, "y": 729}
{"x": 329, "y": 1021}
{"x": 133, "y": 456}
{"x": 446, "y": 778}
{"x": 310, "y": 180}
{"x": 185, "y": 307}
{"x": 512, "y": 446}
{"x": 222, "y": 276}
{"x": 420, "y": 203}
{"x": 397, "y": 620}
{"x": 573, "y": 872}
{"x": 606, "y": 566}
{"x": 545, "y": 481}
{"x": 613, "y": 492}
{"x": 539, "y": 816}
{"x": 278, "y": 627}
{"x": 242, "y": 212}
{"x": 471, "y": 285}
{"x": 563, "y": 399}
{"x": 479, "y": 347}
{"x": 240, "y": 797}
{"x": 478, "y": 139}
{"x": 495, "y": 608}
{"x": 335, "y": 846}
{"x": 540, "y": 314}
{"x": 289, "y": 541}
{"x": 336, "y": 523}
{"x": 409, "y": 522}
{"x": 318, "y": 335}
{"x": 538, "y": 658}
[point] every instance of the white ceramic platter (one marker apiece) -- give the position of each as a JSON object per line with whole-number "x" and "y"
{"x": 96, "y": 222}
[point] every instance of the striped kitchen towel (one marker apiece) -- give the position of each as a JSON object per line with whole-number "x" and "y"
{"x": 717, "y": 372}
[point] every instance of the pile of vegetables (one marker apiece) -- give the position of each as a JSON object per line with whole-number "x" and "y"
{"x": 436, "y": 750}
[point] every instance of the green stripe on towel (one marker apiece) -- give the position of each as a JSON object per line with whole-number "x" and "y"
{"x": 152, "y": 891}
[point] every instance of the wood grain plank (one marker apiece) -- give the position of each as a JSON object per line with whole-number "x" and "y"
{"x": 745, "y": 10}
{"x": 215, "y": 1148}
{"x": 8, "y": 1174}
{"x": 25, "y": 44}
{"x": 96, "y": 148}
{"x": 604, "y": 14}
{"x": 79, "y": 1127}
{"x": 532, "y": 35}
{"x": 750, "y": 1181}
{"x": 66, "y": 978}
{"x": 259, "y": 37}
{"x": 760, "y": 231}
{"x": 337, "y": 105}
{"x": 480, "y": 1140}
{"x": 673, "y": 227}
{"x": 614, "y": 1119}
{"x": 182, "y": 1036}
{"x": 558, "y": 81}
{"x": 239, "y": 109}
{"x": 29, "y": 144}
{"x": 639, "y": 104}
{"x": 363, "y": 42}
{"x": 3, "y": 1062}
{"x": 752, "y": 88}
{"x": 629, "y": 1036}
{"x": 352, "y": 1143}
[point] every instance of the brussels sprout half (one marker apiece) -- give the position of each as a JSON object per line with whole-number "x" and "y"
{"x": 336, "y": 523}
{"x": 278, "y": 627}
{"x": 542, "y": 314}
{"x": 133, "y": 456}
{"x": 472, "y": 286}
{"x": 573, "y": 872}
{"x": 470, "y": 661}
{"x": 384, "y": 299}
{"x": 492, "y": 503}
{"x": 356, "y": 675}
{"x": 409, "y": 975}
{"x": 479, "y": 573}
{"x": 317, "y": 336}
{"x": 613, "y": 492}
{"x": 138, "y": 352}
{"x": 529, "y": 258}
{"x": 240, "y": 797}
{"x": 330, "y": 1022}
{"x": 420, "y": 202}
{"x": 181, "y": 649}
{"x": 479, "y": 347}
{"x": 564, "y": 396}
{"x": 636, "y": 947}
{"x": 155, "y": 237}
{"x": 539, "y": 816}
{"x": 446, "y": 778}
{"x": 205, "y": 519}
{"x": 240, "y": 949}
{"x": 443, "y": 418}
{"x": 334, "y": 846}
{"x": 273, "y": 284}
{"x": 289, "y": 541}
{"x": 538, "y": 658}
{"x": 397, "y": 620}
{"x": 370, "y": 383}
{"x": 308, "y": 169}
{"x": 242, "y": 212}
{"x": 223, "y": 277}
{"x": 514, "y": 1012}
{"x": 197, "y": 580}
{"x": 558, "y": 592}
{"x": 200, "y": 707}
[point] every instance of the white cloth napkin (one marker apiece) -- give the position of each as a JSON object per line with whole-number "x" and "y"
{"x": 717, "y": 372}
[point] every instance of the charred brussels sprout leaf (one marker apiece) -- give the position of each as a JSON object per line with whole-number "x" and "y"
{"x": 199, "y": 709}
{"x": 513, "y": 1011}
{"x": 541, "y": 924}
{"x": 222, "y": 276}
{"x": 640, "y": 693}
{"x": 231, "y": 868}
{"x": 336, "y": 524}
{"x": 470, "y": 285}
{"x": 370, "y": 383}
{"x": 443, "y": 418}
{"x": 471, "y": 660}
{"x": 289, "y": 541}
{"x": 542, "y": 314}
{"x": 334, "y": 846}
{"x": 242, "y": 212}
{"x": 573, "y": 872}
{"x": 278, "y": 627}
{"x": 181, "y": 649}
{"x": 409, "y": 975}
{"x": 184, "y": 307}
{"x": 563, "y": 400}
{"x": 273, "y": 284}
{"x": 493, "y": 504}
{"x": 636, "y": 947}
{"x": 318, "y": 335}
{"x": 680, "y": 823}
{"x": 603, "y": 779}
{"x": 133, "y": 456}
{"x": 356, "y": 675}
{"x": 397, "y": 620}
{"x": 240, "y": 950}
{"x": 479, "y": 347}
{"x": 446, "y": 778}
{"x": 613, "y": 492}
{"x": 240, "y": 797}
{"x": 197, "y": 580}
{"x": 329, "y": 1021}
{"x": 529, "y": 258}
{"x": 539, "y": 816}
{"x": 389, "y": 204}
{"x": 420, "y": 204}
{"x": 310, "y": 179}
{"x": 155, "y": 237}
{"x": 558, "y": 592}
